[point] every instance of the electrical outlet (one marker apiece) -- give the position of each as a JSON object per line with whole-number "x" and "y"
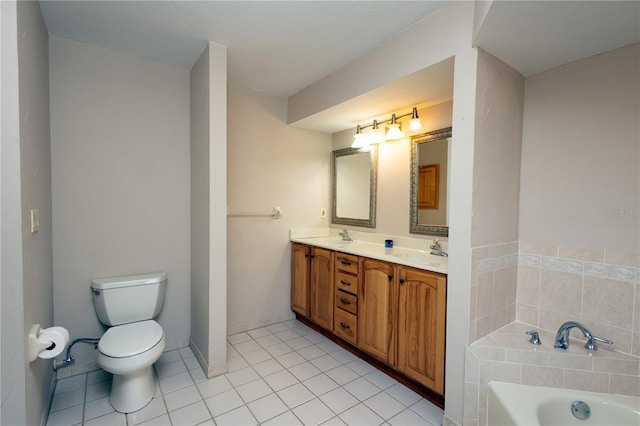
{"x": 323, "y": 213}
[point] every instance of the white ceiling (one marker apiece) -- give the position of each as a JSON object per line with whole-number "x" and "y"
{"x": 281, "y": 47}
{"x": 534, "y": 36}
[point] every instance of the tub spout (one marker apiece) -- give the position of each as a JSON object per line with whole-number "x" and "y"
{"x": 562, "y": 337}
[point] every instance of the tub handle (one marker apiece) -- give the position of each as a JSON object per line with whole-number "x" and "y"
{"x": 592, "y": 346}
{"x": 535, "y": 337}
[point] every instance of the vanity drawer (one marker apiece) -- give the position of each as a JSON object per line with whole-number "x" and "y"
{"x": 346, "y": 301}
{"x": 347, "y": 263}
{"x": 344, "y": 325}
{"x": 346, "y": 282}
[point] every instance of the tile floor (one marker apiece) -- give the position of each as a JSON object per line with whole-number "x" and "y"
{"x": 282, "y": 374}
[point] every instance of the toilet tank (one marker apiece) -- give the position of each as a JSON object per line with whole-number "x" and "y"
{"x": 130, "y": 298}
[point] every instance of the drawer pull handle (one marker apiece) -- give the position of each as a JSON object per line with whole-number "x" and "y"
{"x": 345, "y": 301}
{"x": 345, "y": 262}
{"x": 343, "y": 282}
{"x": 344, "y": 326}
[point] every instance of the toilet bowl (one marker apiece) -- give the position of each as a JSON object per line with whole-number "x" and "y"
{"x": 128, "y": 352}
{"x": 134, "y": 341}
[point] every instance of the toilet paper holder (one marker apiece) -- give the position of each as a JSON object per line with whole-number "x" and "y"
{"x": 36, "y": 346}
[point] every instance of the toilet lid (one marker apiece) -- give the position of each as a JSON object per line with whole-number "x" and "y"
{"x": 130, "y": 339}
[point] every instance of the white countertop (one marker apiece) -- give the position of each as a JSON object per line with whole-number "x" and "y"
{"x": 372, "y": 246}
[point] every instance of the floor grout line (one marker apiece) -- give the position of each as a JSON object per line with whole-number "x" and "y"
{"x": 290, "y": 330}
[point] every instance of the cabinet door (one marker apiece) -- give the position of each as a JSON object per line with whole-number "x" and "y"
{"x": 421, "y": 326}
{"x": 300, "y": 267}
{"x": 377, "y": 310}
{"x": 322, "y": 287}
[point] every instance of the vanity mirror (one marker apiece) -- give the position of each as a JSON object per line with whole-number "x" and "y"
{"x": 429, "y": 178}
{"x": 353, "y": 183}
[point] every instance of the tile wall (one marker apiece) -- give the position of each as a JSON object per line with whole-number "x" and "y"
{"x": 542, "y": 286}
{"x": 599, "y": 288}
{"x": 494, "y": 277}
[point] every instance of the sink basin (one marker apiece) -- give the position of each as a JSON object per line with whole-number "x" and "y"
{"x": 422, "y": 258}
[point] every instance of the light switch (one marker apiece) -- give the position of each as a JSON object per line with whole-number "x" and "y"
{"x": 35, "y": 220}
{"x": 323, "y": 213}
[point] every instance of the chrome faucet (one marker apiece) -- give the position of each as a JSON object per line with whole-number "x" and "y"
{"x": 345, "y": 235}
{"x": 562, "y": 337}
{"x": 436, "y": 249}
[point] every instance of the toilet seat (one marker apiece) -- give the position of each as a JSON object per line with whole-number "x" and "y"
{"x": 128, "y": 340}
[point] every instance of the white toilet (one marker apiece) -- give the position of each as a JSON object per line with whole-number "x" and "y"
{"x": 134, "y": 340}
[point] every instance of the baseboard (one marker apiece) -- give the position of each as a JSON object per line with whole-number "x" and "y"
{"x": 209, "y": 370}
{"x": 448, "y": 421}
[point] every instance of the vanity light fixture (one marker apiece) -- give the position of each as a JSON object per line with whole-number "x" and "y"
{"x": 377, "y": 133}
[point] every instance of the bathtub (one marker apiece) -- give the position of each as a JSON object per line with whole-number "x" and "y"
{"x": 512, "y": 404}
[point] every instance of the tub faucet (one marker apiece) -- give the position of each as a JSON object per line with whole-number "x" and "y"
{"x": 345, "y": 235}
{"x": 436, "y": 249}
{"x": 562, "y": 337}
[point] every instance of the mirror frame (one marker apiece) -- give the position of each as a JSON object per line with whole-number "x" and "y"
{"x": 373, "y": 180}
{"x": 414, "y": 226}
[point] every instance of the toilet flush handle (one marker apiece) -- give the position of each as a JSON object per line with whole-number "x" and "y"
{"x": 96, "y": 292}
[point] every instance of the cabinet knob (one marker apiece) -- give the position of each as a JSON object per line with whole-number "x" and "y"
{"x": 344, "y": 301}
{"x": 343, "y": 282}
{"x": 390, "y": 277}
{"x": 401, "y": 280}
{"x": 345, "y": 262}
{"x": 344, "y": 326}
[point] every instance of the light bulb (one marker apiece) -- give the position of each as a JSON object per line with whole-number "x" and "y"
{"x": 359, "y": 141}
{"x": 377, "y": 134}
{"x": 394, "y": 132}
{"x": 415, "y": 124}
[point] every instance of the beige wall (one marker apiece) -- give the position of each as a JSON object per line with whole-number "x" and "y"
{"x": 120, "y": 175}
{"x": 208, "y": 169}
{"x": 200, "y": 195}
{"x": 35, "y": 164}
{"x": 27, "y": 285}
{"x": 13, "y": 409}
{"x": 269, "y": 164}
{"x": 580, "y": 154}
{"x": 26, "y": 183}
{"x": 496, "y": 164}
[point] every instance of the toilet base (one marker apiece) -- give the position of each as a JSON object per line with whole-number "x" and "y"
{"x": 131, "y": 392}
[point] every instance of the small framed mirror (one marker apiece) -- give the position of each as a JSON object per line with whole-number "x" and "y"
{"x": 429, "y": 179}
{"x": 353, "y": 182}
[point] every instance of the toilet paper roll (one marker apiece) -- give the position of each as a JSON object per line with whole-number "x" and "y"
{"x": 59, "y": 338}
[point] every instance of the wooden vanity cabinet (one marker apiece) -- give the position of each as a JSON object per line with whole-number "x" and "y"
{"x": 300, "y": 275}
{"x": 345, "y": 321}
{"x": 312, "y": 284}
{"x": 321, "y": 287}
{"x": 422, "y": 304}
{"x": 377, "y": 310}
{"x": 390, "y": 312}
